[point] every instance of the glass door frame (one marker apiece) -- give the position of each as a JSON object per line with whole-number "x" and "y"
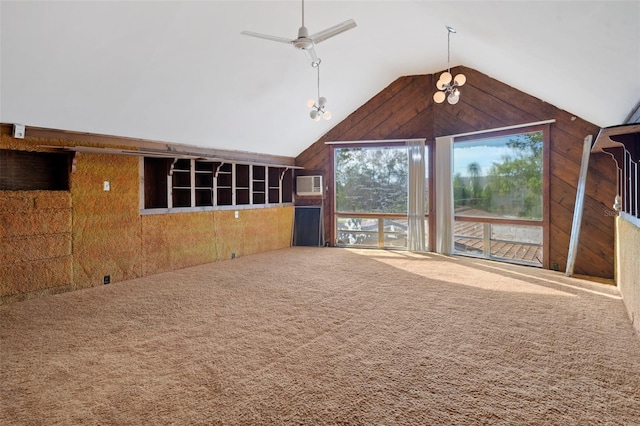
{"x": 443, "y": 170}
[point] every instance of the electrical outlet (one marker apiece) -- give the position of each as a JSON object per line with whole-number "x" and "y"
{"x": 237, "y": 214}
{"x": 106, "y": 279}
{"x": 106, "y": 186}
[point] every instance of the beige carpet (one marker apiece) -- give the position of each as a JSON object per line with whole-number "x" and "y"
{"x": 325, "y": 336}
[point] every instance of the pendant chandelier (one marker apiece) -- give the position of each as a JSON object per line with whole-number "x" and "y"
{"x": 448, "y": 87}
{"x": 318, "y": 109}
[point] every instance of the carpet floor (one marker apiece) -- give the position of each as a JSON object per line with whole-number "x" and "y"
{"x": 325, "y": 336}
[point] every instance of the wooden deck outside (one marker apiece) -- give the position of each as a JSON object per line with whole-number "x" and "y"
{"x": 469, "y": 238}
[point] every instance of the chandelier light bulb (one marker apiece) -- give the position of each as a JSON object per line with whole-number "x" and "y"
{"x": 322, "y": 101}
{"x": 460, "y": 79}
{"x": 445, "y": 77}
{"x": 438, "y": 97}
{"x": 313, "y": 114}
{"x": 311, "y": 103}
{"x": 440, "y": 85}
{"x": 317, "y": 117}
{"x": 453, "y": 99}
{"x": 326, "y": 115}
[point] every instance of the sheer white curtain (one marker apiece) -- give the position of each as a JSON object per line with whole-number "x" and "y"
{"x": 444, "y": 194}
{"x": 416, "y": 203}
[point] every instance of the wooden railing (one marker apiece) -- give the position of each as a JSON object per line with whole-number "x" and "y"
{"x": 375, "y": 237}
{"x": 499, "y": 248}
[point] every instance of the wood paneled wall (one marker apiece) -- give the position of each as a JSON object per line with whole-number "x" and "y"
{"x": 405, "y": 109}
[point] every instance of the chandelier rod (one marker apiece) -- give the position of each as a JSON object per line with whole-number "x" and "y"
{"x": 449, "y": 51}
{"x": 449, "y": 31}
{"x": 318, "y": 68}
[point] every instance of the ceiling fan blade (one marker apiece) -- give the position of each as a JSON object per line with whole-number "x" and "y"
{"x": 267, "y": 37}
{"x": 333, "y": 31}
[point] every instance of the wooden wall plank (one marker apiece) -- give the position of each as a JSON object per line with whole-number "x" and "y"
{"x": 500, "y": 110}
{"x": 364, "y": 112}
{"x": 534, "y": 106}
{"x": 382, "y": 120}
{"x": 566, "y": 144}
{"x": 596, "y": 215}
{"x": 595, "y": 244}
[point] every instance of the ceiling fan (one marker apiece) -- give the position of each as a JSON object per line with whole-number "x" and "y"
{"x": 306, "y": 42}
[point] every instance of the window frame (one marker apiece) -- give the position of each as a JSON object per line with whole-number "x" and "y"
{"x": 381, "y": 218}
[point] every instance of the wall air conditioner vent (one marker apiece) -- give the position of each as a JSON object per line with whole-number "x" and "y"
{"x": 309, "y": 185}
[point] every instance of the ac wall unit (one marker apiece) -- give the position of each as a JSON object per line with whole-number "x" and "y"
{"x": 309, "y": 185}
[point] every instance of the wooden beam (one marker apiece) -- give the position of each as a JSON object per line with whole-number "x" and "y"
{"x": 73, "y": 138}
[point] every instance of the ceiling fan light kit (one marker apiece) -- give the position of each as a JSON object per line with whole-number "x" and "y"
{"x": 447, "y": 85}
{"x": 306, "y": 42}
{"x": 319, "y": 109}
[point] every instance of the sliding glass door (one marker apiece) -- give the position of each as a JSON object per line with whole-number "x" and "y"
{"x": 498, "y": 196}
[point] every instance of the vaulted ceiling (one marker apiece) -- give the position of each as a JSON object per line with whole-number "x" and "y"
{"x": 181, "y": 72}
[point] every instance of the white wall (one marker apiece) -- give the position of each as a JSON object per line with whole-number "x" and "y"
{"x": 628, "y": 264}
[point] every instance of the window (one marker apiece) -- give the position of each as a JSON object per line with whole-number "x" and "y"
{"x": 371, "y": 180}
{"x": 372, "y": 196}
{"x": 25, "y": 171}
{"x": 499, "y": 176}
{"x": 200, "y": 184}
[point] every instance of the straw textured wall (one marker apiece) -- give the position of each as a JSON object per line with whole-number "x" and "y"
{"x": 35, "y": 237}
{"x": 197, "y": 238}
{"x": 53, "y": 241}
{"x": 627, "y": 267}
{"x": 35, "y": 242}
{"x": 106, "y": 224}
